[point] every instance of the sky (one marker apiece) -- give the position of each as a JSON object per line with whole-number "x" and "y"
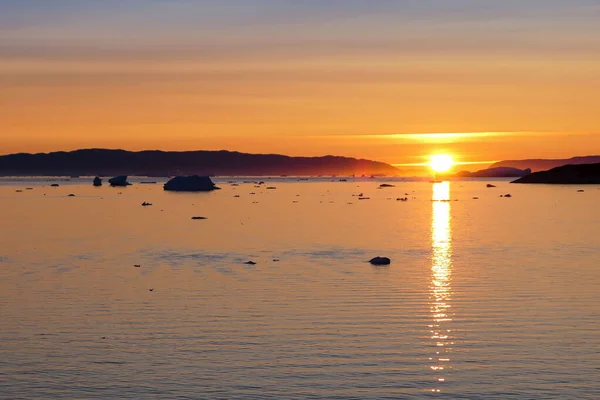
{"x": 390, "y": 80}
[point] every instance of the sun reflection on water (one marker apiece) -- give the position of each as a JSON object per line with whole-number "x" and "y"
{"x": 440, "y": 290}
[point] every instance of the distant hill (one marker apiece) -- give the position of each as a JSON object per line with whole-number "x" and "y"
{"x": 167, "y": 163}
{"x": 567, "y": 174}
{"x": 497, "y": 172}
{"x": 546, "y": 164}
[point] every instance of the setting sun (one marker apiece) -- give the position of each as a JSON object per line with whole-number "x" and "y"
{"x": 441, "y": 162}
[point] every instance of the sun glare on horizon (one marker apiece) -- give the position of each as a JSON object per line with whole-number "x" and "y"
{"x": 441, "y": 162}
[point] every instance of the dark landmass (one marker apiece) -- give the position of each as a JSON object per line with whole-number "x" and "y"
{"x": 497, "y": 172}
{"x": 581, "y": 174}
{"x": 104, "y": 162}
{"x": 546, "y": 164}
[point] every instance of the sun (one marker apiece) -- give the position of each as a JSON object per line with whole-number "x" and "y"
{"x": 441, "y": 162}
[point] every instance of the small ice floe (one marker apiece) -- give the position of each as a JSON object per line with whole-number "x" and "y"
{"x": 380, "y": 261}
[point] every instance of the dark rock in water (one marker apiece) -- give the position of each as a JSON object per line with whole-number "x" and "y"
{"x": 28, "y": 188}
{"x": 199, "y": 218}
{"x": 151, "y": 289}
{"x": 489, "y": 185}
{"x": 120, "y": 180}
{"x": 507, "y": 195}
{"x": 402, "y": 199}
{"x": 148, "y": 182}
{"x": 580, "y": 191}
{"x": 137, "y": 265}
{"x": 276, "y": 260}
{"x": 55, "y": 185}
{"x": 97, "y": 181}
{"x": 380, "y": 261}
{"x": 475, "y": 198}
{"x": 237, "y": 195}
{"x": 146, "y": 204}
{"x": 271, "y": 187}
{"x": 71, "y": 195}
{"x": 250, "y": 263}
{"x": 364, "y": 198}
{"x": 385, "y": 185}
{"x": 192, "y": 183}
{"x": 18, "y": 191}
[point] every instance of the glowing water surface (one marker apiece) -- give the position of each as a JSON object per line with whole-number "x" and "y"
{"x": 495, "y": 298}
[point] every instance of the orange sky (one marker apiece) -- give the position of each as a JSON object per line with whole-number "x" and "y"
{"x": 355, "y": 80}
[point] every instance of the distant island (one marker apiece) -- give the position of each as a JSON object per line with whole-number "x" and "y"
{"x": 546, "y": 164}
{"x": 581, "y": 174}
{"x": 497, "y": 172}
{"x": 105, "y": 162}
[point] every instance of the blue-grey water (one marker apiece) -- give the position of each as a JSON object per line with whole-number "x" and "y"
{"x": 488, "y": 298}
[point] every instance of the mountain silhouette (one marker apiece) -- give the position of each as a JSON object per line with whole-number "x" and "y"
{"x": 546, "y": 164}
{"x": 105, "y": 162}
{"x": 567, "y": 174}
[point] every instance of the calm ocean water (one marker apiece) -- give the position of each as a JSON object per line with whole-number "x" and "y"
{"x": 495, "y": 298}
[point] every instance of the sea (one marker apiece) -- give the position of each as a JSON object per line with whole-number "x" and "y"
{"x": 487, "y": 296}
